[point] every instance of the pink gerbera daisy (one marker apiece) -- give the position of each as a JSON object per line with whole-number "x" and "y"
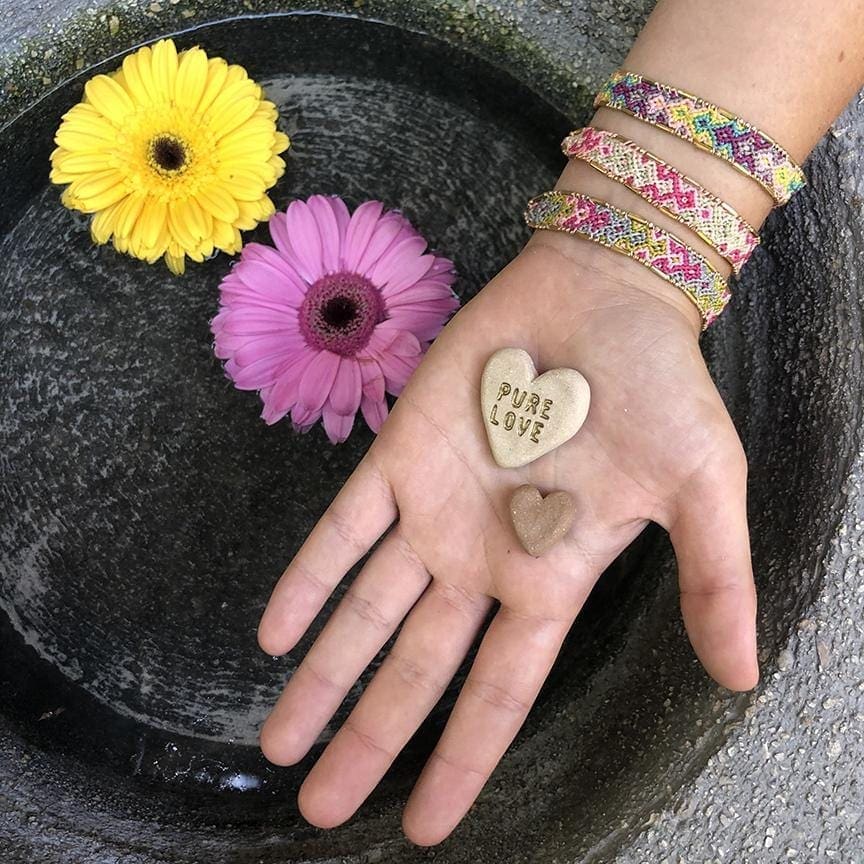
{"x": 338, "y": 313}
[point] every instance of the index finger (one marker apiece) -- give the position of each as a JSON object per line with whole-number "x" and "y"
{"x": 356, "y": 518}
{"x": 718, "y": 597}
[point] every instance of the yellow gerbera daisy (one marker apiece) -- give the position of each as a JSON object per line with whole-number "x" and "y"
{"x": 174, "y": 155}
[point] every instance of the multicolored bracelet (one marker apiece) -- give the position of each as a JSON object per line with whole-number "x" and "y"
{"x": 658, "y": 250}
{"x": 707, "y": 126}
{"x": 667, "y": 189}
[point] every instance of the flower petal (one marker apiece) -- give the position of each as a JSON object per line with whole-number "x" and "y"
{"x": 398, "y": 353}
{"x": 337, "y": 426}
{"x": 138, "y": 78}
{"x": 317, "y": 380}
{"x": 270, "y": 256}
{"x": 102, "y": 226}
{"x": 406, "y": 231}
{"x": 217, "y": 75}
{"x": 408, "y": 273}
{"x": 443, "y": 265}
{"x": 305, "y": 237}
{"x": 267, "y": 345}
{"x": 374, "y": 413}
{"x": 343, "y": 219}
{"x": 152, "y": 221}
{"x": 127, "y": 215}
{"x": 359, "y": 231}
{"x": 92, "y": 192}
{"x": 425, "y": 325}
{"x": 109, "y": 98}
{"x": 275, "y": 284}
{"x": 373, "y": 379}
{"x": 328, "y": 229}
{"x": 389, "y": 338}
{"x": 257, "y": 322}
{"x": 296, "y": 236}
{"x": 422, "y": 292}
{"x": 164, "y": 65}
{"x": 304, "y": 418}
{"x": 218, "y": 203}
{"x": 191, "y": 79}
{"x": 226, "y": 116}
{"x": 397, "y": 370}
{"x": 234, "y": 295}
{"x": 347, "y": 388}
{"x": 282, "y": 396}
{"x": 80, "y": 163}
{"x": 263, "y": 371}
{"x": 393, "y": 264}
{"x": 385, "y": 230}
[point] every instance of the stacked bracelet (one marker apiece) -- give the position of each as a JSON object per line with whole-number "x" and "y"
{"x": 703, "y": 124}
{"x": 707, "y": 126}
{"x": 667, "y": 189}
{"x": 660, "y": 251}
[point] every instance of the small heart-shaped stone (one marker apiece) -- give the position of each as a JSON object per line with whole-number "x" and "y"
{"x": 540, "y": 522}
{"x": 526, "y": 415}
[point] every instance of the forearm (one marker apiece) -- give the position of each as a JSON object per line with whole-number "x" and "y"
{"x": 788, "y": 67}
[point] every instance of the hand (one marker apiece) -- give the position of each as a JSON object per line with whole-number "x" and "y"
{"x": 657, "y": 445}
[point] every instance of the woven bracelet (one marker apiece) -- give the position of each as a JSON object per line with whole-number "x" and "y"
{"x": 658, "y": 250}
{"x": 667, "y": 189}
{"x": 707, "y": 126}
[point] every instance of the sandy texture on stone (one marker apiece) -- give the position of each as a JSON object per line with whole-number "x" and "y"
{"x": 540, "y": 522}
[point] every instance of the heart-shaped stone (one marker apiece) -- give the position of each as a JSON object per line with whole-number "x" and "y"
{"x": 526, "y": 415}
{"x": 540, "y": 522}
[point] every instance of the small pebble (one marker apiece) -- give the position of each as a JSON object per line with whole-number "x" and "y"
{"x": 824, "y": 653}
{"x": 540, "y": 522}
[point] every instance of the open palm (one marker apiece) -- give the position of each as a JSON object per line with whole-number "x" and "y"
{"x": 657, "y": 445}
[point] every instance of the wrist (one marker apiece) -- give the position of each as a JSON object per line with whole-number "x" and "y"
{"x": 596, "y": 259}
{"x": 600, "y": 266}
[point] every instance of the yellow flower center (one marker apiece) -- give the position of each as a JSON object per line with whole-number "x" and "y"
{"x": 168, "y": 155}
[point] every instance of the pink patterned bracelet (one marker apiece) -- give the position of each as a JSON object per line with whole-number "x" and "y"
{"x": 707, "y": 126}
{"x": 667, "y": 189}
{"x": 625, "y": 232}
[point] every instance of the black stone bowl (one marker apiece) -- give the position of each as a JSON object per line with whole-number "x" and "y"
{"x": 146, "y": 510}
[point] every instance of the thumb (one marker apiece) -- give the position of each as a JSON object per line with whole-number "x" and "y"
{"x": 715, "y": 572}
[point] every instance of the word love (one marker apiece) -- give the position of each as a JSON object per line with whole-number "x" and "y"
{"x": 527, "y": 415}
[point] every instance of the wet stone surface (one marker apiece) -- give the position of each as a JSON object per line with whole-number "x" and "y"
{"x": 146, "y": 510}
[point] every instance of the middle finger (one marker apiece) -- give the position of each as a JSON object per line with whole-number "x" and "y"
{"x": 434, "y": 640}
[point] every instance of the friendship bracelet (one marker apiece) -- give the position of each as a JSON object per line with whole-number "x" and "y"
{"x": 667, "y": 189}
{"x": 658, "y": 250}
{"x": 707, "y": 126}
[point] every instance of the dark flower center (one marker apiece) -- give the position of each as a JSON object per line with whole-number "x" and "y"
{"x": 340, "y": 312}
{"x": 168, "y": 154}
